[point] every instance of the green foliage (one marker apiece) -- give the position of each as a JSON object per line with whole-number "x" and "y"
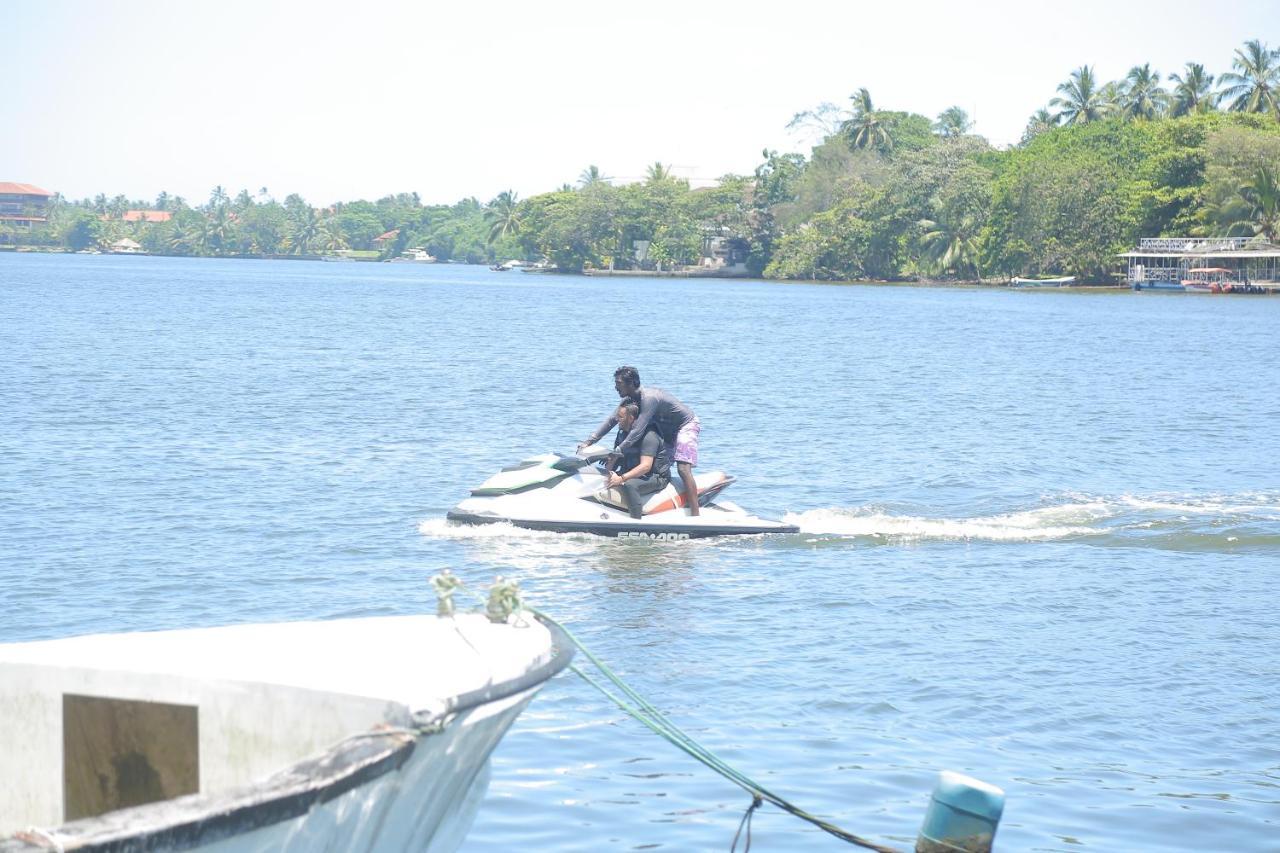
{"x": 909, "y": 131}
{"x": 833, "y": 246}
{"x": 833, "y": 173}
{"x": 885, "y": 194}
{"x": 360, "y": 223}
{"x": 80, "y": 229}
{"x": 952, "y": 239}
{"x": 1070, "y": 199}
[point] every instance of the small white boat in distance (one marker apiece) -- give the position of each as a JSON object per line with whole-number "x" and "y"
{"x": 348, "y": 735}
{"x": 414, "y": 256}
{"x": 1060, "y": 281}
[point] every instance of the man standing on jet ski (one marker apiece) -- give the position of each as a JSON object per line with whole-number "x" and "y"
{"x": 645, "y": 468}
{"x": 676, "y": 424}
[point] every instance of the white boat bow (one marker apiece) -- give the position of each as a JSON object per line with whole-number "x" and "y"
{"x": 359, "y": 734}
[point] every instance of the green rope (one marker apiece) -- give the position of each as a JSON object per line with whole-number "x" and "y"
{"x": 640, "y": 709}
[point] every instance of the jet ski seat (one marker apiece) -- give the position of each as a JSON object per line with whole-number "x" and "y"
{"x": 670, "y": 497}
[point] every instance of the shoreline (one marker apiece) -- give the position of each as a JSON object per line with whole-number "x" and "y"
{"x": 633, "y": 274}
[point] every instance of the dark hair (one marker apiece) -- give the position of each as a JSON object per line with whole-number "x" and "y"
{"x": 632, "y": 407}
{"x": 628, "y": 374}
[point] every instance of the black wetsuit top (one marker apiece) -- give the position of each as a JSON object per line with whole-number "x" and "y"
{"x": 650, "y": 444}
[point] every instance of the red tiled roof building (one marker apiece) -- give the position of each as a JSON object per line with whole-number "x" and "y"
{"x": 147, "y": 216}
{"x": 23, "y": 205}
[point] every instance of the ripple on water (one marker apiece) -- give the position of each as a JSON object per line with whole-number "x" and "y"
{"x": 1013, "y": 563}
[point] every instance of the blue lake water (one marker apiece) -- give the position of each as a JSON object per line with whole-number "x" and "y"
{"x": 1041, "y": 530}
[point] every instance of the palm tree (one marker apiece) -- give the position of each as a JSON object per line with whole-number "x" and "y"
{"x": 503, "y": 216}
{"x": 862, "y": 102}
{"x": 1041, "y": 121}
{"x": 1141, "y": 96}
{"x": 1082, "y": 101}
{"x": 187, "y": 237}
{"x": 1256, "y": 88}
{"x": 657, "y": 173}
{"x": 950, "y": 245}
{"x": 1193, "y": 92}
{"x": 330, "y": 237}
{"x": 219, "y": 226}
{"x": 952, "y": 122}
{"x": 304, "y": 230}
{"x": 1261, "y": 208}
{"x": 162, "y": 201}
{"x": 218, "y": 197}
{"x": 865, "y": 129}
{"x": 591, "y": 176}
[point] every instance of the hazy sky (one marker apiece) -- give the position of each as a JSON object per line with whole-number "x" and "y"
{"x": 339, "y": 101}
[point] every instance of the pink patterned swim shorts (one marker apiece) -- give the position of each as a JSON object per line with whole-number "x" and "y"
{"x": 687, "y": 442}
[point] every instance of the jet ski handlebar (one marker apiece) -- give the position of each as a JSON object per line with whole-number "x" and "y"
{"x": 594, "y": 453}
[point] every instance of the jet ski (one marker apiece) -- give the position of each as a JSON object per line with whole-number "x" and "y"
{"x": 566, "y": 493}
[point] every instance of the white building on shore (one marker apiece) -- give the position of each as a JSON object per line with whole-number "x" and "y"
{"x": 1168, "y": 260}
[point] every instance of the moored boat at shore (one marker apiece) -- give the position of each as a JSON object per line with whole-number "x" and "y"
{"x": 1158, "y": 284}
{"x": 414, "y": 256}
{"x": 1060, "y": 281}
{"x": 358, "y": 734}
{"x": 1209, "y": 280}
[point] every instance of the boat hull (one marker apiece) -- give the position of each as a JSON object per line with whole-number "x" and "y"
{"x": 693, "y": 527}
{"x": 1063, "y": 281}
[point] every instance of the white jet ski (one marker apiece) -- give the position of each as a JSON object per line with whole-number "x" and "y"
{"x": 566, "y": 493}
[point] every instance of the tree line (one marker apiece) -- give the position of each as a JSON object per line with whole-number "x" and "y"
{"x": 885, "y": 194}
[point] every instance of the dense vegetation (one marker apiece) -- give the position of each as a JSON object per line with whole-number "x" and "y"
{"x": 884, "y": 195}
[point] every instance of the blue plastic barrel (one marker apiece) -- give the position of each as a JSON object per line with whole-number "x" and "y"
{"x": 963, "y": 815}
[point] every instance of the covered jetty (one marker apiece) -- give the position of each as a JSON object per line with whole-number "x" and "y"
{"x": 1168, "y": 260}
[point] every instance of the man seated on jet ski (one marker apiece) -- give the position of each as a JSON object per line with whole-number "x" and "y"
{"x": 642, "y": 468}
{"x": 676, "y": 424}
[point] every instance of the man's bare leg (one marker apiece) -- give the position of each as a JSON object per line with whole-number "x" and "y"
{"x": 685, "y": 470}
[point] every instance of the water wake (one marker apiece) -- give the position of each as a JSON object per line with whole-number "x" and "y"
{"x": 1025, "y": 526}
{"x": 439, "y": 528}
{"x": 1175, "y": 522}
{"x": 1172, "y": 522}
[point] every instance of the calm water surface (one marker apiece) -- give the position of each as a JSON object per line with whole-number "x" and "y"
{"x": 1041, "y": 530}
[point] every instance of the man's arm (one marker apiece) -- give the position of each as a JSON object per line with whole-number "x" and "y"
{"x": 644, "y": 467}
{"x": 648, "y": 409}
{"x": 609, "y": 423}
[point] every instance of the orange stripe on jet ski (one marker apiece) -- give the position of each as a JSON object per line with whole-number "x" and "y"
{"x": 678, "y": 500}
